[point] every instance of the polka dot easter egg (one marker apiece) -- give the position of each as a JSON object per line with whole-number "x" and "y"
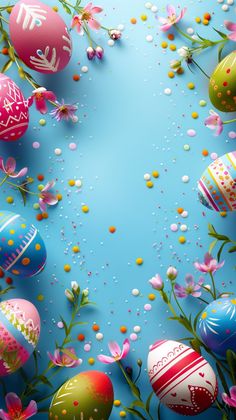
{"x": 217, "y": 325}
{"x": 22, "y": 250}
{"x": 181, "y": 378}
{"x": 19, "y": 333}
{"x": 89, "y": 395}
{"x": 217, "y": 186}
{"x": 222, "y": 87}
{"x": 40, "y": 36}
{"x": 14, "y": 110}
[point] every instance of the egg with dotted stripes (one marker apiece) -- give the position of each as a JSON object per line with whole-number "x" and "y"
{"x": 22, "y": 250}
{"x": 88, "y": 395}
{"x": 217, "y": 185}
{"x": 181, "y": 378}
{"x": 40, "y": 36}
{"x": 19, "y": 333}
{"x": 14, "y": 110}
{"x": 217, "y": 325}
{"x": 222, "y": 86}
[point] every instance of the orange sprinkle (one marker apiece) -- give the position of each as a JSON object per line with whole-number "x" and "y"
{"x": 39, "y": 217}
{"x": 95, "y": 327}
{"x": 123, "y": 329}
{"x": 205, "y": 22}
{"x": 180, "y": 70}
{"x": 59, "y": 197}
{"x": 76, "y": 77}
{"x": 133, "y": 21}
{"x": 81, "y": 337}
{"x": 112, "y": 229}
{"x": 5, "y": 51}
{"x": 40, "y": 177}
{"x": 207, "y": 16}
{"x": 180, "y": 210}
{"x": 205, "y": 152}
{"x": 45, "y": 215}
{"x": 171, "y": 37}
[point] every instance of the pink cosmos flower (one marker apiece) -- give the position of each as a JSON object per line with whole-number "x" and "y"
{"x": 210, "y": 265}
{"x": 156, "y": 282}
{"x": 171, "y": 19}
{"x": 87, "y": 16}
{"x": 116, "y": 352}
{"x": 231, "y": 27}
{"x": 9, "y": 168}
{"x": 64, "y": 111}
{"x": 40, "y": 96}
{"x": 214, "y": 122}
{"x": 191, "y": 288}
{"x": 230, "y": 400}
{"x": 15, "y": 409}
{"x": 47, "y": 198}
{"x": 64, "y": 359}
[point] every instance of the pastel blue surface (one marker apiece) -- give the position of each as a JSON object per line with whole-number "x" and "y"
{"x": 127, "y": 127}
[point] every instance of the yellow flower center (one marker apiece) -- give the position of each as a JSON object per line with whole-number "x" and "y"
{"x": 86, "y": 16}
{"x": 204, "y": 315}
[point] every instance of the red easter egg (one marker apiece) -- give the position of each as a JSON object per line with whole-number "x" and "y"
{"x": 40, "y": 36}
{"x": 14, "y": 110}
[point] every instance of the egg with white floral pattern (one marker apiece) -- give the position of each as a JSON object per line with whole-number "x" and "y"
{"x": 40, "y": 36}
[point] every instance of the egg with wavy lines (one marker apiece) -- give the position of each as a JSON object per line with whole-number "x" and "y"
{"x": 181, "y": 378}
{"x": 40, "y": 36}
{"x": 217, "y": 185}
{"x": 217, "y": 325}
{"x": 22, "y": 250}
{"x": 19, "y": 333}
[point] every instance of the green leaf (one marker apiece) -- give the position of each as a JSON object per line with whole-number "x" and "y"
{"x": 222, "y": 378}
{"x": 231, "y": 360}
{"x": 79, "y": 323}
{"x": 220, "y": 50}
{"x": 65, "y": 7}
{"x": 164, "y": 296}
{"x": 138, "y": 403}
{"x": 196, "y": 320}
{"x": 224, "y": 36}
{"x": 233, "y": 249}
{"x": 211, "y": 228}
{"x": 23, "y": 195}
{"x": 64, "y": 325}
{"x": 148, "y": 402}
{"x": 6, "y": 66}
{"x": 21, "y": 72}
{"x": 196, "y": 345}
{"x": 185, "y": 322}
{"x": 220, "y": 251}
{"x": 135, "y": 412}
{"x": 11, "y": 53}
{"x": 212, "y": 246}
{"x": 135, "y": 390}
{"x": 45, "y": 381}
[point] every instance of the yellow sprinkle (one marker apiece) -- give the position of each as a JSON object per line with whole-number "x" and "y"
{"x": 182, "y": 239}
{"x": 205, "y": 22}
{"x": 91, "y": 361}
{"x": 172, "y": 47}
{"x": 139, "y": 261}
{"x": 76, "y": 249}
{"x": 155, "y": 174}
{"x": 191, "y": 86}
{"x": 10, "y": 242}
{"x": 151, "y": 296}
{"x": 223, "y": 213}
{"x": 55, "y": 8}
{"x": 71, "y": 183}
{"x": 198, "y": 19}
{"x": 149, "y": 184}
{"x": 122, "y": 414}
{"x": 67, "y": 268}
{"x": 59, "y": 197}
{"x": 10, "y": 200}
{"x": 164, "y": 44}
{"x": 143, "y": 17}
{"x": 40, "y": 187}
{"x": 195, "y": 115}
{"x": 171, "y": 74}
{"x": 42, "y": 122}
{"x": 85, "y": 209}
{"x": 40, "y": 298}
{"x": 117, "y": 403}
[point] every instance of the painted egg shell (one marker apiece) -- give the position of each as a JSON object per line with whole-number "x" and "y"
{"x": 217, "y": 186}
{"x": 217, "y": 325}
{"x": 181, "y": 378}
{"x": 22, "y": 250}
{"x": 89, "y": 395}
{"x": 19, "y": 333}
{"x": 40, "y": 36}
{"x": 222, "y": 87}
{"x": 14, "y": 110}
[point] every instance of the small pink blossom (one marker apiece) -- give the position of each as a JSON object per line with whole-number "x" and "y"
{"x": 87, "y": 16}
{"x": 40, "y": 96}
{"x": 172, "y": 18}
{"x": 214, "y": 122}
{"x": 210, "y": 264}
{"x": 15, "y": 409}
{"x": 9, "y": 168}
{"x": 64, "y": 111}
{"x": 116, "y": 352}
{"x": 230, "y": 400}
{"x": 231, "y": 27}
{"x": 156, "y": 282}
{"x": 64, "y": 359}
{"x": 190, "y": 288}
{"x": 46, "y": 197}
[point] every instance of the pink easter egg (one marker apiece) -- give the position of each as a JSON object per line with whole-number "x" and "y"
{"x": 19, "y": 333}
{"x": 14, "y": 110}
{"x": 181, "y": 378}
{"x": 40, "y": 36}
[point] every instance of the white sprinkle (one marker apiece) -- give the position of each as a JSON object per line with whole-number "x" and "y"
{"x": 167, "y": 91}
{"x": 147, "y": 177}
{"x": 137, "y": 329}
{"x": 230, "y": 2}
{"x": 99, "y": 336}
{"x": 135, "y": 292}
{"x": 220, "y": 1}
{"x": 190, "y": 31}
{"x": 185, "y": 178}
{"x": 148, "y": 5}
{"x": 183, "y": 228}
{"x": 154, "y": 9}
{"x": 184, "y": 214}
{"x": 78, "y": 183}
{"x": 225, "y": 7}
{"x": 149, "y": 38}
{"x": 84, "y": 69}
{"x": 111, "y": 42}
{"x": 58, "y": 151}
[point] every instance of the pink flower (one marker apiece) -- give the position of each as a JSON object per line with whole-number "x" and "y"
{"x": 231, "y": 27}
{"x": 66, "y": 359}
{"x": 40, "y": 96}
{"x": 47, "y": 198}
{"x": 210, "y": 265}
{"x": 231, "y": 401}
{"x": 156, "y": 282}
{"x": 191, "y": 287}
{"x": 86, "y": 16}
{"x": 64, "y": 112}
{"x": 214, "y": 122}
{"x": 9, "y": 168}
{"x": 15, "y": 409}
{"x": 171, "y": 19}
{"x": 116, "y": 352}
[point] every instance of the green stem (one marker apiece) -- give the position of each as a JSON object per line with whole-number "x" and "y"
{"x": 203, "y": 300}
{"x": 229, "y": 121}
{"x": 3, "y": 180}
{"x": 194, "y": 41}
{"x": 21, "y": 188}
{"x": 213, "y": 285}
{"x": 199, "y": 67}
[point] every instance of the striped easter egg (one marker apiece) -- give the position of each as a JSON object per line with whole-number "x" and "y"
{"x": 19, "y": 333}
{"x": 22, "y": 250}
{"x": 217, "y": 186}
{"x": 181, "y": 378}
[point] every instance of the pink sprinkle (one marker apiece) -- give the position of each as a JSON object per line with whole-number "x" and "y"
{"x": 174, "y": 227}
{"x": 36, "y": 145}
{"x": 232, "y": 134}
{"x": 60, "y": 324}
{"x": 191, "y": 133}
{"x": 72, "y": 146}
{"x": 214, "y": 156}
{"x": 148, "y": 307}
{"x": 87, "y": 347}
{"x": 133, "y": 337}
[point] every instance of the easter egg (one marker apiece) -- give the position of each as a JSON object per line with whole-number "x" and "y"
{"x": 40, "y": 36}
{"x": 222, "y": 86}
{"x": 181, "y": 378}
{"x": 217, "y": 325}
{"x": 19, "y": 333}
{"x": 217, "y": 186}
{"x": 14, "y": 110}
{"x": 88, "y": 395}
{"x": 22, "y": 250}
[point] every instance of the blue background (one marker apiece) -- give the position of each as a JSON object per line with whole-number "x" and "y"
{"x": 127, "y": 127}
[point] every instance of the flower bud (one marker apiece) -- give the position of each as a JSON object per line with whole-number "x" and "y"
{"x": 69, "y": 295}
{"x": 129, "y": 371}
{"x": 175, "y": 65}
{"x": 156, "y": 282}
{"x": 85, "y": 292}
{"x": 139, "y": 362}
{"x": 75, "y": 287}
{"x": 91, "y": 53}
{"x": 172, "y": 273}
{"x": 114, "y": 34}
{"x": 99, "y": 52}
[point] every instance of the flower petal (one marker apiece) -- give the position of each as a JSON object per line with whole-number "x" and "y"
{"x": 50, "y": 199}
{"x": 231, "y": 402}
{"x": 30, "y": 411}
{"x": 125, "y": 349}
{"x": 232, "y": 391}
{"x": 42, "y": 205}
{"x": 94, "y": 24}
{"x": 50, "y": 96}
{"x": 96, "y": 9}
{"x": 207, "y": 258}
{"x": 4, "y": 415}
{"x": 20, "y": 174}
{"x": 170, "y": 10}
{"x": 48, "y": 186}
{"x": 166, "y": 27}
{"x": 231, "y": 26}
{"x": 13, "y": 402}
{"x": 105, "y": 359}
{"x": 232, "y": 36}
{"x": 41, "y": 105}
{"x": 2, "y": 167}
{"x": 10, "y": 165}
{"x": 114, "y": 348}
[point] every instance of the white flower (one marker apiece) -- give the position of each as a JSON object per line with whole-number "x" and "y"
{"x": 184, "y": 52}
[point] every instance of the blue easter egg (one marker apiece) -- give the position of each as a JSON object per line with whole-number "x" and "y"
{"x": 22, "y": 250}
{"x": 217, "y": 325}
